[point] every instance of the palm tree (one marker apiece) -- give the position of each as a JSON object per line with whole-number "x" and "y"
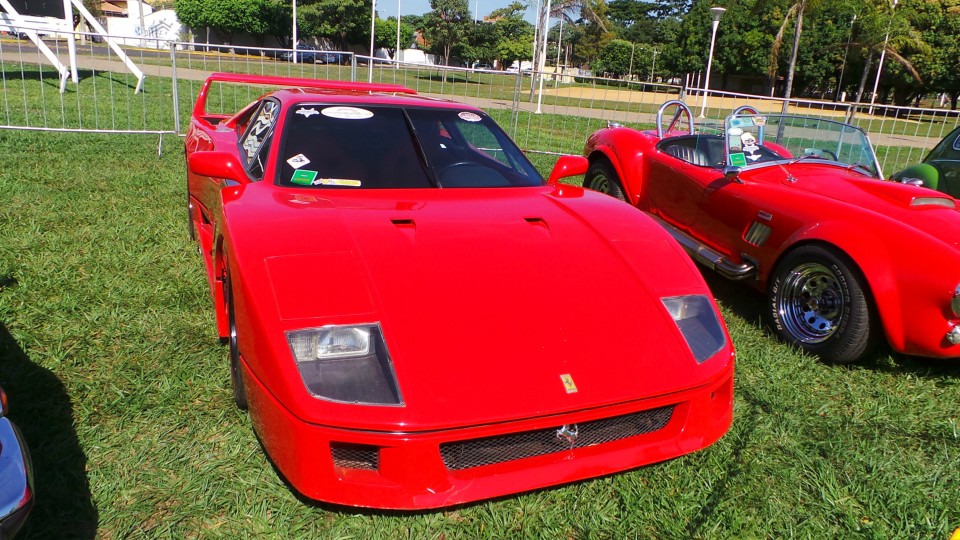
{"x": 794, "y": 12}
{"x": 887, "y": 32}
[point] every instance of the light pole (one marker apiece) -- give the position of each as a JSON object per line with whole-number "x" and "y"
{"x": 843, "y": 64}
{"x": 373, "y": 28}
{"x": 294, "y": 31}
{"x": 633, "y": 47}
{"x": 715, "y": 14}
{"x": 653, "y": 65}
{"x": 543, "y": 54}
{"x": 396, "y": 54}
{"x": 883, "y": 54}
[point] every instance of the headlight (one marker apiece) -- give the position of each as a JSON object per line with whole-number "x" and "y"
{"x": 346, "y": 363}
{"x": 697, "y": 321}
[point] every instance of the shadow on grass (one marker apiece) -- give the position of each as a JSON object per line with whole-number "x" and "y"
{"x": 40, "y": 406}
{"x": 51, "y": 78}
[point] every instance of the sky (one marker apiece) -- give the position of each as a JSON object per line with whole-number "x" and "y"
{"x": 388, "y": 8}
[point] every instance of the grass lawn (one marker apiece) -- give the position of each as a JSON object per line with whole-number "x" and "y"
{"x": 116, "y": 376}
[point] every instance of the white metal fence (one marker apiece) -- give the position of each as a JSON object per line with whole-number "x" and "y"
{"x": 550, "y": 114}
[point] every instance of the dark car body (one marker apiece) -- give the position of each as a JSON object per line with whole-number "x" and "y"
{"x": 16, "y": 475}
{"x": 940, "y": 170}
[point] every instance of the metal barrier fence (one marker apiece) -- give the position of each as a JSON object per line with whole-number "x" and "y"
{"x": 552, "y": 114}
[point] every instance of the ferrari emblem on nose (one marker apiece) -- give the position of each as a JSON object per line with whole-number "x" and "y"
{"x": 568, "y": 384}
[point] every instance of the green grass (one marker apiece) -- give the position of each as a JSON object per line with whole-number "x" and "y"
{"x": 116, "y": 376}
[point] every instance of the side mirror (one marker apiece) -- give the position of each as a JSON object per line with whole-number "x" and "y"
{"x": 568, "y": 166}
{"x": 217, "y": 165}
{"x": 732, "y": 173}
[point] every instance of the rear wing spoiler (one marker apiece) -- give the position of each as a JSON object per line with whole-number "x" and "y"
{"x": 200, "y": 107}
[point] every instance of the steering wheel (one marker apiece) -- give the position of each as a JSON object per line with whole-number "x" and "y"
{"x": 819, "y": 153}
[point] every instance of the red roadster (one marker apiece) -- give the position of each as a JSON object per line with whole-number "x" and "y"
{"x": 796, "y": 207}
{"x": 405, "y": 305}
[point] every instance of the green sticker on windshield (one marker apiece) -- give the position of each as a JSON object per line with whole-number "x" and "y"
{"x": 303, "y": 178}
{"x": 738, "y": 160}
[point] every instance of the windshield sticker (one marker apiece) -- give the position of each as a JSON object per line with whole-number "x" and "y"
{"x": 347, "y": 113}
{"x": 735, "y": 132}
{"x": 738, "y": 160}
{"x": 298, "y": 161}
{"x": 738, "y": 122}
{"x": 336, "y": 182}
{"x": 759, "y": 121}
{"x": 307, "y": 113}
{"x": 259, "y": 129}
{"x": 303, "y": 178}
{"x": 469, "y": 116}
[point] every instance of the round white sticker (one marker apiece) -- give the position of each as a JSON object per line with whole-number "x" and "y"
{"x": 735, "y": 132}
{"x": 347, "y": 113}
{"x": 469, "y": 116}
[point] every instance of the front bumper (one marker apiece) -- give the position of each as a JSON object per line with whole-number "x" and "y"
{"x": 16, "y": 480}
{"x": 422, "y": 470}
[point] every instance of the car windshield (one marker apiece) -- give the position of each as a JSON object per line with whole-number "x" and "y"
{"x": 754, "y": 139}
{"x": 384, "y": 147}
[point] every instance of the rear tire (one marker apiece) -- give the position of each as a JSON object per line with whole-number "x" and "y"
{"x": 602, "y": 177}
{"x": 818, "y": 301}
{"x": 236, "y": 373}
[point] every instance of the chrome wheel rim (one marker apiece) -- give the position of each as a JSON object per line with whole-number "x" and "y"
{"x": 811, "y": 303}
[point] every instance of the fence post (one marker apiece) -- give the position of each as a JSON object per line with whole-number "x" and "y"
{"x": 176, "y": 97}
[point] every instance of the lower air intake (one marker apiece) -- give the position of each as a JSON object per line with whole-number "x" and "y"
{"x": 478, "y": 452}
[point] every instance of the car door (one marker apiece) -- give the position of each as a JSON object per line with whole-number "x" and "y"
{"x": 678, "y": 177}
{"x": 945, "y": 157}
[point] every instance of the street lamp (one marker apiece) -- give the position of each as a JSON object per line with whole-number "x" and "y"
{"x": 373, "y": 29}
{"x": 294, "y": 32}
{"x": 883, "y": 53}
{"x": 396, "y": 54}
{"x": 715, "y": 14}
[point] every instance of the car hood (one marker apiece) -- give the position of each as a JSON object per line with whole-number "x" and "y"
{"x": 486, "y": 298}
{"x": 926, "y": 210}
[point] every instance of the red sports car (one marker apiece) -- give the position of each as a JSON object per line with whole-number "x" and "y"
{"x": 417, "y": 319}
{"x": 796, "y": 207}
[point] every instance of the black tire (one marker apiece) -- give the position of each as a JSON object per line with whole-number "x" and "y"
{"x": 601, "y": 177}
{"x": 191, "y": 230}
{"x": 818, "y": 301}
{"x": 236, "y": 374}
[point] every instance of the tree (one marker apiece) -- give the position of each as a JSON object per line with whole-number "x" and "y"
{"x": 228, "y": 17}
{"x": 340, "y": 20}
{"x": 512, "y": 35}
{"x": 385, "y": 34}
{"x": 445, "y": 24}
{"x": 614, "y": 58}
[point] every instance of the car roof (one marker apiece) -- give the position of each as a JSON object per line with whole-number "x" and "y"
{"x": 356, "y": 96}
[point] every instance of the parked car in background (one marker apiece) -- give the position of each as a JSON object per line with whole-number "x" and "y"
{"x": 416, "y": 319}
{"x": 16, "y": 475}
{"x": 325, "y": 57}
{"x": 940, "y": 170}
{"x": 795, "y": 206}
{"x": 306, "y": 54}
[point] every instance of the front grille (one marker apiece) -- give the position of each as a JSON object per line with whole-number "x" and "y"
{"x": 478, "y": 452}
{"x": 355, "y": 456}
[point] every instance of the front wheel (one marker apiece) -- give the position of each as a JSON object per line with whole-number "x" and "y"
{"x": 818, "y": 301}
{"x": 601, "y": 177}
{"x": 236, "y": 375}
